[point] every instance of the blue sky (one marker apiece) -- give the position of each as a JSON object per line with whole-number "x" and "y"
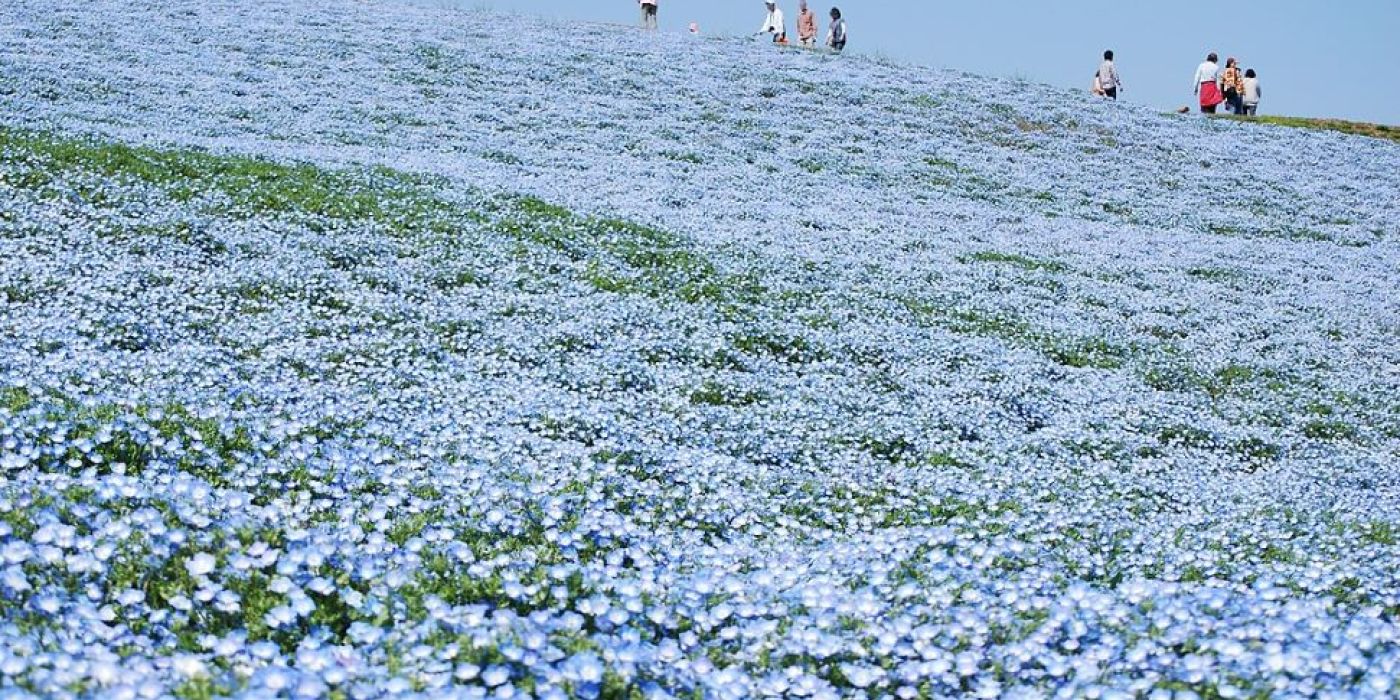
{"x": 1315, "y": 58}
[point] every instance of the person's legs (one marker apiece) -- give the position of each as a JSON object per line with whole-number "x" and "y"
{"x": 1111, "y": 93}
{"x": 1207, "y": 110}
{"x": 1251, "y": 110}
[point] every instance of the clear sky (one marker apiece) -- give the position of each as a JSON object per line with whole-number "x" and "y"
{"x": 1316, "y": 58}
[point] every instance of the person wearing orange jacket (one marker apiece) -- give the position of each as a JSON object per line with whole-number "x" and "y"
{"x": 1232, "y": 85}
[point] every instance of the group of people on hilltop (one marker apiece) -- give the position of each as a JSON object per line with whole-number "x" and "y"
{"x": 775, "y": 26}
{"x": 1238, "y": 91}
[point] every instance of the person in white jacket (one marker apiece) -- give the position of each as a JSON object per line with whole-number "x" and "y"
{"x": 1208, "y": 84}
{"x": 1109, "y": 82}
{"x": 1252, "y": 93}
{"x": 773, "y": 23}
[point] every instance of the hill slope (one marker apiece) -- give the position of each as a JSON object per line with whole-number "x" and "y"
{"x": 361, "y": 349}
{"x": 1379, "y": 131}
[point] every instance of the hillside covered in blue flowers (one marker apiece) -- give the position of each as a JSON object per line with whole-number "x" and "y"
{"x": 351, "y": 349}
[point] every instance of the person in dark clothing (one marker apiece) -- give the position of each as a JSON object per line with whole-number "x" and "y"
{"x": 836, "y": 35}
{"x": 648, "y": 13}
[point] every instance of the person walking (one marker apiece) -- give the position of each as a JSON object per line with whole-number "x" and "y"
{"x": 773, "y": 23}
{"x": 1109, "y": 83}
{"x": 648, "y": 14}
{"x": 806, "y": 25}
{"x": 1232, "y": 86}
{"x": 1208, "y": 85}
{"x": 1252, "y": 93}
{"x": 836, "y": 33}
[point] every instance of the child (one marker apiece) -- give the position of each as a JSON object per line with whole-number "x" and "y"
{"x": 1252, "y": 93}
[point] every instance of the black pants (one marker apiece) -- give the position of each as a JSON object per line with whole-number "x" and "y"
{"x": 1111, "y": 93}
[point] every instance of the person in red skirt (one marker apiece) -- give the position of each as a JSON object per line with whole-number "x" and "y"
{"x": 1208, "y": 84}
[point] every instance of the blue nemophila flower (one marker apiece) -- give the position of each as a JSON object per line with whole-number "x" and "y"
{"x": 201, "y": 564}
{"x": 494, "y": 676}
{"x": 912, "y": 422}
{"x": 15, "y": 580}
{"x": 364, "y": 633}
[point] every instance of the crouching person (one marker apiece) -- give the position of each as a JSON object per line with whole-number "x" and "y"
{"x": 773, "y": 23}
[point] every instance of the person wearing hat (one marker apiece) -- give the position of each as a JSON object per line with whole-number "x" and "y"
{"x": 648, "y": 13}
{"x": 773, "y": 23}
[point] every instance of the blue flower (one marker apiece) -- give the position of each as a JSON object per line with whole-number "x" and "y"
{"x": 620, "y": 383}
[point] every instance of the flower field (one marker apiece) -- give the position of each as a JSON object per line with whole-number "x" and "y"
{"x": 365, "y": 349}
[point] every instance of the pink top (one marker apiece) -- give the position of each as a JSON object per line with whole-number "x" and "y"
{"x": 806, "y": 25}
